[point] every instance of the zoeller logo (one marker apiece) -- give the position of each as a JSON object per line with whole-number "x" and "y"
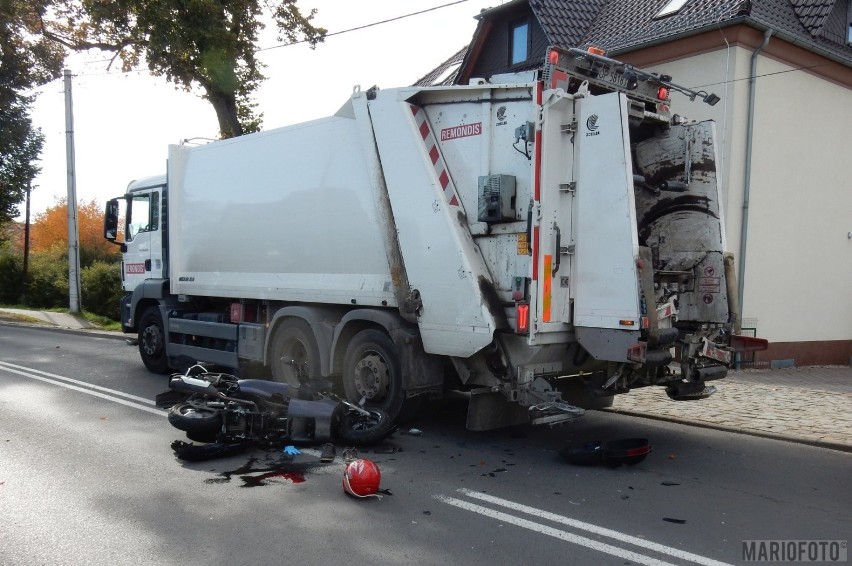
{"x": 592, "y": 125}
{"x": 501, "y": 116}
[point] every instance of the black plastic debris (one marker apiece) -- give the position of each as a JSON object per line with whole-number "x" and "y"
{"x": 587, "y": 453}
{"x": 675, "y": 521}
{"x": 669, "y": 483}
{"x": 200, "y": 452}
{"x": 614, "y": 453}
{"x": 628, "y": 451}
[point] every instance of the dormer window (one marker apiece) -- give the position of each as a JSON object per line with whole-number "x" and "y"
{"x": 672, "y": 7}
{"x": 849, "y": 21}
{"x": 519, "y": 46}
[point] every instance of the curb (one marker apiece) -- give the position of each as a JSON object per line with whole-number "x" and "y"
{"x": 759, "y": 433}
{"x": 67, "y": 330}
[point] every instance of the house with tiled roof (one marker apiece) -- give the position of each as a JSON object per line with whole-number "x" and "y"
{"x": 783, "y": 72}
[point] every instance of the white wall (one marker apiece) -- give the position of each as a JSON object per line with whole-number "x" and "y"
{"x": 799, "y": 258}
{"x": 798, "y": 276}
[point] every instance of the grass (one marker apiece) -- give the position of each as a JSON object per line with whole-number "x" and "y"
{"x": 102, "y": 321}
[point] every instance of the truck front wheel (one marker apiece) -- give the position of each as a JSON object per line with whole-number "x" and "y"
{"x": 371, "y": 371}
{"x": 152, "y": 341}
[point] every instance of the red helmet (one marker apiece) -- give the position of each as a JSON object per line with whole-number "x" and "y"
{"x": 361, "y": 478}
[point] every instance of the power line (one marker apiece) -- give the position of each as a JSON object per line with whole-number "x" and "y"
{"x": 366, "y": 25}
{"x": 806, "y": 68}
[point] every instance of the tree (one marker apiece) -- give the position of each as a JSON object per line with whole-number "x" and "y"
{"x": 50, "y": 230}
{"x": 27, "y": 60}
{"x": 206, "y": 43}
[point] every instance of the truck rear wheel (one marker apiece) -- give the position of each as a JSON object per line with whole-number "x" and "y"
{"x": 152, "y": 341}
{"x": 371, "y": 370}
{"x": 294, "y": 342}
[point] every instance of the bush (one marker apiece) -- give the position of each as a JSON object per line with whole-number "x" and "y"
{"x": 101, "y": 284}
{"x": 11, "y": 276}
{"x": 48, "y": 279}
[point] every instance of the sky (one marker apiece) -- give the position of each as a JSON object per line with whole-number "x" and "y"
{"x": 124, "y": 122}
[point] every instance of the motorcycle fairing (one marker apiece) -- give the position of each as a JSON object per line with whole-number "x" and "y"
{"x": 310, "y": 421}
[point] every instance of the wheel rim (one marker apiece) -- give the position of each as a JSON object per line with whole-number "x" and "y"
{"x": 372, "y": 377}
{"x": 295, "y": 350}
{"x": 364, "y": 422}
{"x": 152, "y": 340}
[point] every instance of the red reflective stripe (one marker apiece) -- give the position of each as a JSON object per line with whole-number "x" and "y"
{"x": 454, "y": 201}
{"x": 414, "y": 109}
{"x": 424, "y": 129}
{"x": 537, "y": 170}
{"x": 433, "y": 154}
{"x": 547, "y": 289}
{"x": 535, "y": 254}
{"x": 444, "y": 179}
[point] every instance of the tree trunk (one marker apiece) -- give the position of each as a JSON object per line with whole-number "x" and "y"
{"x": 225, "y": 105}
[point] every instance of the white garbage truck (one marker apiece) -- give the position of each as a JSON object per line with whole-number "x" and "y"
{"x": 539, "y": 246}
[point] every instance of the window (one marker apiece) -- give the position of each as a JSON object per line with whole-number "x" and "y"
{"x": 143, "y": 214}
{"x": 520, "y": 43}
{"x": 672, "y": 7}
{"x": 849, "y": 20}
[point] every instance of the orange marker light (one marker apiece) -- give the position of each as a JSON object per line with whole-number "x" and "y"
{"x": 596, "y": 51}
{"x": 663, "y": 93}
{"x": 553, "y": 57}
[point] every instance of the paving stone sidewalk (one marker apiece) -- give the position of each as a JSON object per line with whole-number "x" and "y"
{"x": 808, "y": 405}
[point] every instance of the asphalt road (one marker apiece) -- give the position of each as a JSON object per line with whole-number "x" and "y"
{"x": 87, "y": 476}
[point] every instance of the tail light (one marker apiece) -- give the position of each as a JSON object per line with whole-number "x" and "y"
{"x": 636, "y": 352}
{"x": 522, "y": 318}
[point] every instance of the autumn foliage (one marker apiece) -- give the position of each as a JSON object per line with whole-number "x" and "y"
{"x": 44, "y": 284}
{"x": 50, "y": 230}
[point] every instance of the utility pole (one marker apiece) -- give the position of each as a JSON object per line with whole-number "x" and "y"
{"x": 73, "y": 234}
{"x": 25, "y": 281}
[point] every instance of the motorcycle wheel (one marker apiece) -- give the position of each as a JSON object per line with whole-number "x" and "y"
{"x": 195, "y": 419}
{"x": 356, "y": 428}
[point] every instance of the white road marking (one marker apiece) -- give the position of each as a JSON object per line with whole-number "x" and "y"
{"x": 94, "y": 390}
{"x": 556, "y": 533}
{"x": 636, "y": 541}
{"x": 574, "y": 523}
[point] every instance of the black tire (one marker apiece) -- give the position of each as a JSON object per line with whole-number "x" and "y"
{"x": 152, "y": 341}
{"x": 195, "y": 419}
{"x": 294, "y": 340}
{"x": 371, "y": 369}
{"x": 357, "y": 429}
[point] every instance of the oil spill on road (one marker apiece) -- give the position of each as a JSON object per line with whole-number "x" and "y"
{"x": 271, "y": 472}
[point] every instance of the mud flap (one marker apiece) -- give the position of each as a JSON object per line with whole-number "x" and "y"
{"x": 488, "y": 410}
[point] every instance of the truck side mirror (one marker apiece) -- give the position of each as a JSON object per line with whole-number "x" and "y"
{"x": 111, "y": 221}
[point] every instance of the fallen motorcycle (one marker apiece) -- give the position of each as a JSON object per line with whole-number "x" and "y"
{"x": 231, "y": 413}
